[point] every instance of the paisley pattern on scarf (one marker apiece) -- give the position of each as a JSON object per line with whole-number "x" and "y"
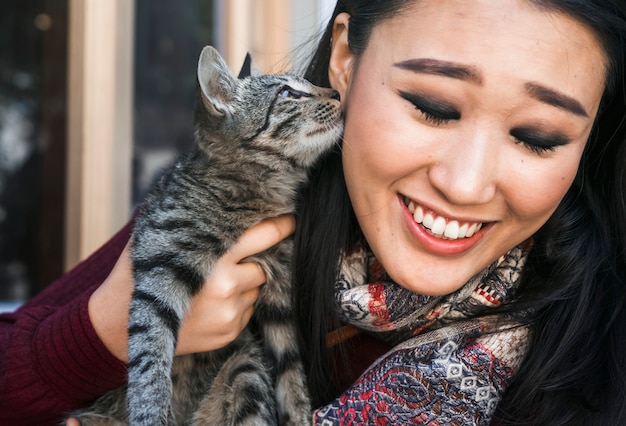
{"x": 452, "y": 360}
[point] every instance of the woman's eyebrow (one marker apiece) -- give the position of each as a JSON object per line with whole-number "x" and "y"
{"x": 443, "y": 68}
{"x": 556, "y": 99}
{"x": 473, "y": 75}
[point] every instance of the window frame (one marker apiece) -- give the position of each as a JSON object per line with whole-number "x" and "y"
{"x": 100, "y": 98}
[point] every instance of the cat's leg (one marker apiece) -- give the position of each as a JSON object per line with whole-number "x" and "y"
{"x": 275, "y": 315}
{"x": 292, "y": 398}
{"x": 242, "y": 392}
{"x": 108, "y": 410}
{"x": 157, "y": 308}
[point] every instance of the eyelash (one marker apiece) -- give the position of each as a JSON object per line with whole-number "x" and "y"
{"x": 433, "y": 111}
{"x": 438, "y": 113}
{"x": 537, "y": 143}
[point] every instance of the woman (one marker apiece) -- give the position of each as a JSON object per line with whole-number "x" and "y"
{"x": 476, "y": 113}
{"x": 478, "y": 190}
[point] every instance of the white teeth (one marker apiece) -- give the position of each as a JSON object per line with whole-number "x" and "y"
{"x": 463, "y": 230}
{"x": 428, "y": 220}
{"x": 472, "y": 230}
{"x": 452, "y": 230}
{"x": 440, "y": 227}
{"x": 419, "y": 214}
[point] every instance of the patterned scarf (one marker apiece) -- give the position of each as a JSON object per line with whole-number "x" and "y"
{"x": 452, "y": 360}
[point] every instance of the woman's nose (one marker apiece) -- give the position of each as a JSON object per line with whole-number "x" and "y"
{"x": 466, "y": 171}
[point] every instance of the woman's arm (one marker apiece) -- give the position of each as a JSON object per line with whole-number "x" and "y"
{"x": 218, "y": 313}
{"x": 67, "y": 346}
{"x": 51, "y": 358}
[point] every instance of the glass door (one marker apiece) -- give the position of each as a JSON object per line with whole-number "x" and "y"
{"x": 33, "y": 107}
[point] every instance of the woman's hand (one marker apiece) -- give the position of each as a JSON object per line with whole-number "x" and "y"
{"x": 218, "y": 313}
{"x": 225, "y": 304}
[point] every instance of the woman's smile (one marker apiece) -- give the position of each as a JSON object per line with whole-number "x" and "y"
{"x": 441, "y": 235}
{"x": 441, "y": 226}
{"x": 455, "y": 149}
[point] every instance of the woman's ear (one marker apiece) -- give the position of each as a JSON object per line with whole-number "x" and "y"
{"x": 341, "y": 58}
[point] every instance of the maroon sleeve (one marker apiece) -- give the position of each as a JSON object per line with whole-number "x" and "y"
{"x": 51, "y": 359}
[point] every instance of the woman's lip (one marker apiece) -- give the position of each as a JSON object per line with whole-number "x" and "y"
{"x": 440, "y": 246}
{"x": 407, "y": 200}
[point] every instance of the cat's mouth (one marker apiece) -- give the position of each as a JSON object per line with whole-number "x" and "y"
{"x": 332, "y": 128}
{"x": 316, "y": 132}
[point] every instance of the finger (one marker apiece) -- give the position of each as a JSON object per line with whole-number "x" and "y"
{"x": 249, "y": 275}
{"x": 263, "y": 236}
{"x": 249, "y": 297}
{"x": 245, "y": 318}
{"x": 72, "y": 422}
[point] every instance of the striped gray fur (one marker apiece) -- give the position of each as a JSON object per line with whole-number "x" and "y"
{"x": 256, "y": 139}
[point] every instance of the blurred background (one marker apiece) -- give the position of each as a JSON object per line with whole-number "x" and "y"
{"x": 96, "y": 97}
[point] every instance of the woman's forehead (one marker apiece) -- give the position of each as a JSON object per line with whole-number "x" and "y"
{"x": 502, "y": 39}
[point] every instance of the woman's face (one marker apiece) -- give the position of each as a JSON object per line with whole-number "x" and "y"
{"x": 465, "y": 124}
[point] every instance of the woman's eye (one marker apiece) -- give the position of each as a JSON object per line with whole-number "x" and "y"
{"x": 433, "y": 111}
{"x": 537, "y": 141}
{"x": 288, "y": 92}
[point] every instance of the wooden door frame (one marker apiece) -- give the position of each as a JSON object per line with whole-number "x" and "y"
{"x": 100, "y": 102}
{"x": 100, "y": 123}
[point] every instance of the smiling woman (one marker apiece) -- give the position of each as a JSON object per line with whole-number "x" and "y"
{"x": 445, "y": 123}
{"x": 460, "y": 257}
{"x": 469, "y": 138}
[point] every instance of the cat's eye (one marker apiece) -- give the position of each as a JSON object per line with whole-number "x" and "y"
{"x": 289, "y": 92}
{"x": 433, "y": 110}
{"x": 537, "y": 141}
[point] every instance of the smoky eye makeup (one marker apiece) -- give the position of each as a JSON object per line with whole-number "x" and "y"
{"x": 537, "y": 140}
{"x": 439, "y": 112}
{"x": 434, "y": 110}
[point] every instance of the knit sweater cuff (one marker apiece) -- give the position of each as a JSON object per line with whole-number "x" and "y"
{"x": 65, "y": 364}
{"x": 71, "y": 356}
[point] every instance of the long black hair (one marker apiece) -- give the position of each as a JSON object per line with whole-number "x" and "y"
{"x": 574, "y": 282}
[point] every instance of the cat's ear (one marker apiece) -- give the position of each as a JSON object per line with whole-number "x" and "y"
{"x": 217, "y": 84}
{"x": 254, "y": 70}
{"x": 248, "y": 68}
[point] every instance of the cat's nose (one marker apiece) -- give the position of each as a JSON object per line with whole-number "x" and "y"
{"x": 335, "y": 95}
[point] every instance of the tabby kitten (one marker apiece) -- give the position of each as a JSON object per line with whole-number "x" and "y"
{"x": 256, "y": 137}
